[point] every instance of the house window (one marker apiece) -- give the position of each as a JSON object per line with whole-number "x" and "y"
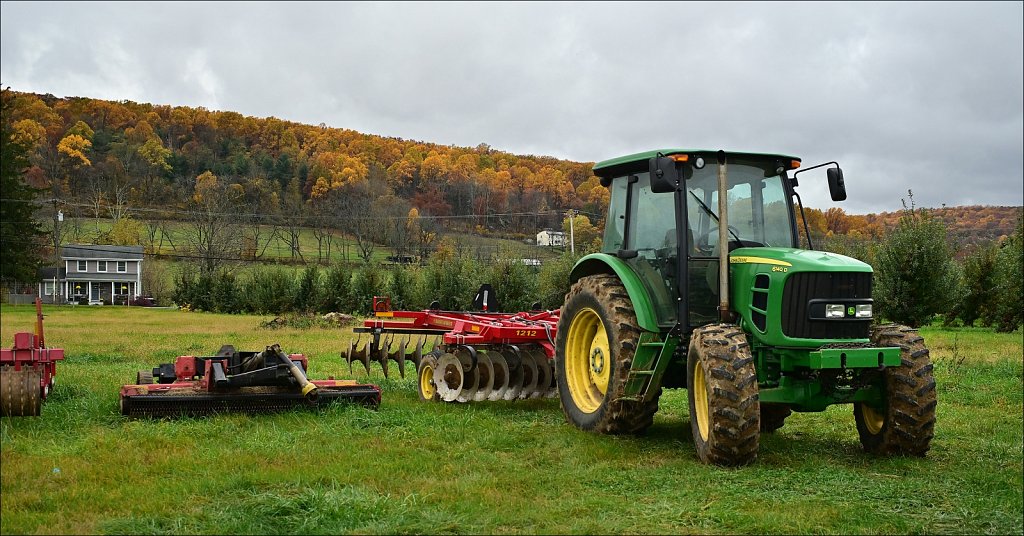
{"x": 48, "y": 287}
{"x": 81, "y": 266}
{"x": 122, "y": 266}
{"x": 101, "y": 266}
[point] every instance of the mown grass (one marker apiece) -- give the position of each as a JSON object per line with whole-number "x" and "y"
{"x": 508, "y": 467}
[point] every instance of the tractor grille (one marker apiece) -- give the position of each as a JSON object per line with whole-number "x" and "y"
{"x": 805, "y": 286}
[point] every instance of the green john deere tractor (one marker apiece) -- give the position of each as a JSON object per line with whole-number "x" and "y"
{"x": 754, "y": 330}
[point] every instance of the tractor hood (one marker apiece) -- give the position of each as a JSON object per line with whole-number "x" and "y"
{"x": 802, "y": 260}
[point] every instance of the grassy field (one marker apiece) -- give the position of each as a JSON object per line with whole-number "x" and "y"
{"x": 510, "y": 467}
{"x": 343, "y": 248}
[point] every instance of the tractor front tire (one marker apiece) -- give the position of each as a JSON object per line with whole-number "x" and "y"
{"x": 595, "y": 344}
{"x": 906, "y": 425}
{"x": 721, "y": 385}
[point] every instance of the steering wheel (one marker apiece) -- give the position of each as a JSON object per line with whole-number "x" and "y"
{"x": 702, "y": 241}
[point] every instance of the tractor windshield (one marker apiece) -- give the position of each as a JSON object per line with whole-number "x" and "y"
{"x": 758, "y": 210}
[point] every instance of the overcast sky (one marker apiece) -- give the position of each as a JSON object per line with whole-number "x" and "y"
{"x": 924, "y": 96}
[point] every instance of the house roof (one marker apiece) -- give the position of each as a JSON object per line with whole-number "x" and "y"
{"x": 50, "y": 272}
{"x": 101, "y": 251}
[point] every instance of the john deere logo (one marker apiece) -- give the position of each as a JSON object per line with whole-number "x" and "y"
{"x": 850, "y": 311}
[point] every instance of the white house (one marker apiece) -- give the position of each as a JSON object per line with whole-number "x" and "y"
{"x": 547, "y": 237}
{"x": 97, "y": 273}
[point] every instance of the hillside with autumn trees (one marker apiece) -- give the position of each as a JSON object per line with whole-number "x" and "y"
{"x": 147, "y": 163}
{"x": 112, "y": 157}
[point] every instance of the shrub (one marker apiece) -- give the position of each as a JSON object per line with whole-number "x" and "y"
{"x": 915, "y": 275}
{"x": 1008, "y": 283}
{"x": 337, "y": 296}
{"x": 268, "y": 290}
{"x": 515, "y": 283}
{"x": 451, "y": 277}
{"x": 401, "y": 288}
{"x": 307, "y": 291}
{"x": 367, "y": 283}
{"x": 553, "y": 282}
{"x": 976, "y": 300}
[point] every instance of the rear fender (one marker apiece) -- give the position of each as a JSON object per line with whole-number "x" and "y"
{"x": 602, "y": 263}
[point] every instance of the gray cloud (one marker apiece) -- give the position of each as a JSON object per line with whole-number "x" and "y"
{"x": 921, "y": 96}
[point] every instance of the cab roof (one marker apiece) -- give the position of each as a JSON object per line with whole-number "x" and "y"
{"x": 616, "y": 167}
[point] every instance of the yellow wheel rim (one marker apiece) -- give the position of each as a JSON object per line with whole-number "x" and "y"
{"x": 587, "y": 361}
{"x": 700, "y": 402}
{"x": 873, "y": 420}
{"x": 427, "y": 381}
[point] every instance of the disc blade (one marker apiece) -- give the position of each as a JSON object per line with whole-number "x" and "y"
{"x": 471, "y": 377}
{"x": 544, "y": 372}
{"x": 499, "y": 371}
{"x": 485, "y": 382}
{"x": 529, "y": 377}
{"x": 417, "y": 355}
{"x": 515, "y": 377}
{"x": 448, "y": 377}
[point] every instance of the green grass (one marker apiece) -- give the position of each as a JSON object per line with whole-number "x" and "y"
{"x": 509, "y": 467}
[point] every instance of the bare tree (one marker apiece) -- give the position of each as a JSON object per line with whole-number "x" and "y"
{"x": 322, "y": 217}
{"x": 212, "y": 232}
{"x": 293, "y": 218}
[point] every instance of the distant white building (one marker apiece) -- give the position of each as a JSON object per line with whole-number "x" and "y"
{"x": 547, "y": 237}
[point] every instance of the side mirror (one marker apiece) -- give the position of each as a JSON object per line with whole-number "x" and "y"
{"x": 836, "y": 186}
{"x": 665, "y": 176}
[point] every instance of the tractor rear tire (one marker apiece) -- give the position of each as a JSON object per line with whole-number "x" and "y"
{"x": 597, "y": 337}
{"x": 906, "y": 425}
{"x": 723, "y": 396}
{"x": 773, "y": 416}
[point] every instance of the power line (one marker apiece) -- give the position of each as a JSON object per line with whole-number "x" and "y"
{"x": 257, "y": 215}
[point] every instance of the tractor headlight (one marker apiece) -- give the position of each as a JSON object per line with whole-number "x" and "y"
{"x": 864, "y": 311}
{"x": 833, "y": 310}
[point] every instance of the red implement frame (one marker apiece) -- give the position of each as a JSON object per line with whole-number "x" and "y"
{"x": 466, "y": 328}
{"x": 29, "y": 351}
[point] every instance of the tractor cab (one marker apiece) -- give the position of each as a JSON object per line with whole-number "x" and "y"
{"x": 652, "y": 224}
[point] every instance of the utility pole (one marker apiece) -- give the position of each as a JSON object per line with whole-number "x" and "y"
{"x": 572, "y": 231}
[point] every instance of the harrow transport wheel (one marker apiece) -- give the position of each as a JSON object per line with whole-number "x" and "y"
{"x": 20, "y": 393}
{"x": 721, "y": 386}
{"x": 773, "y": 416}
{"x": 907, "y": 422}
{"x": 596, "y": 340}
{"x": 425, "y": 373}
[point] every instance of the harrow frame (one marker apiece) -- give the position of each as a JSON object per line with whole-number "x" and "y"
{"x": 476, "y": 355}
